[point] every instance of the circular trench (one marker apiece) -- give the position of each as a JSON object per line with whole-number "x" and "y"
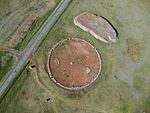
{"x": 74, "y": 64}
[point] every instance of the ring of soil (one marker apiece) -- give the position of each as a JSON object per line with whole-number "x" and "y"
{"x": 74, "y": 64}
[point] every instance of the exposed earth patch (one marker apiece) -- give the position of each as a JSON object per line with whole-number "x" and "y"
{"x": 97, "y": 26}
{"x": 74, "y": 64}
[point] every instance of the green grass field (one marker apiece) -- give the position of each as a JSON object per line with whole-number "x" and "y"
{"x": 5, "y": 41}
{"x": 123, "y": 85}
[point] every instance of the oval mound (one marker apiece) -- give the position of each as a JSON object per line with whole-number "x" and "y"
{"x": 97, "y": 26}
{"x": 74, "y": 64}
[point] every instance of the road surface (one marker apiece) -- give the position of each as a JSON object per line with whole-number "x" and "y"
{"x": 32, "y": 46}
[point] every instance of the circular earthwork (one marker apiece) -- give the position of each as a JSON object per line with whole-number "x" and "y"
{"x": 74, "y": 64}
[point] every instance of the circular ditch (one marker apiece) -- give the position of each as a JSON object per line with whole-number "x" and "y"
{"x": 74, "y": 64}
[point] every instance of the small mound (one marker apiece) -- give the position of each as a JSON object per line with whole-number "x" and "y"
{"x": 97, "y": 26}
{"x": 74, "y": 64}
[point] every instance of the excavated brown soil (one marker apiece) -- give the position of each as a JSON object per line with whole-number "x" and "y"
{"x": 74, "y": 64}
{"x": 97, "y": 26}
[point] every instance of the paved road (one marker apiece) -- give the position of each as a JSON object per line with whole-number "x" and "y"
{"x": 33, "y": 45}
